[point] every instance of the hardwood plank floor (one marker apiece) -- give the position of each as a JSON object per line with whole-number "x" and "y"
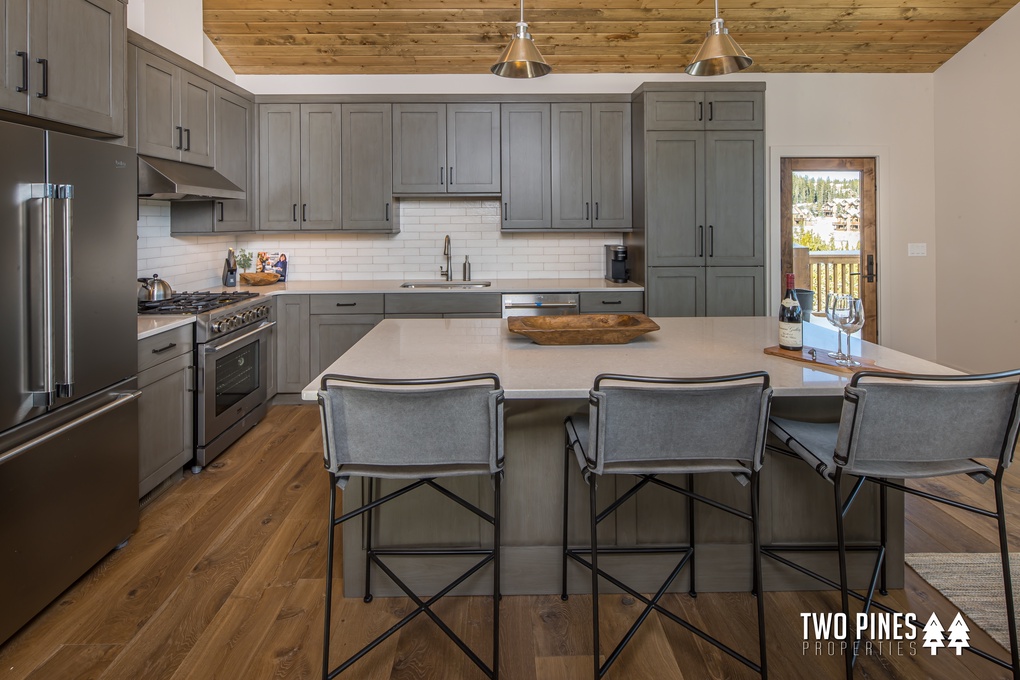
{"x": 225, "y": 579}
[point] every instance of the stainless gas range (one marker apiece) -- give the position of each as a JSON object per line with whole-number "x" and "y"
{"x": 232, "y": 360}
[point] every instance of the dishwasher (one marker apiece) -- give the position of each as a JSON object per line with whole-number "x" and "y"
{"x": 539, "y": 304}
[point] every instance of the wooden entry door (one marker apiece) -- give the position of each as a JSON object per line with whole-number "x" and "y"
{"x": 854, "y": 271}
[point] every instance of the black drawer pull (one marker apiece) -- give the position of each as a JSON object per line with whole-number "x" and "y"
{"x": 221, "y": 210}
{"x": 164, "y": 349}
{"x": 612, "y": 302}
{"x": 187, "y": 145}
{"x": 180, "y": 137}
{"x": 45, "y": 78}
{"x": 24, "y": 71}
{"x": 347, "y": 304}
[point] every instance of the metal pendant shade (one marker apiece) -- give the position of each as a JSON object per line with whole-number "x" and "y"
{"x": 719, "y": 54}
{"x": 521, "y": 59}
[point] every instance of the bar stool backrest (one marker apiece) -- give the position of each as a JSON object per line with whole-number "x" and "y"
{"x": 638, "y": 419}
{"x": 412, "y": 423}
{"x": 908, "y": 420}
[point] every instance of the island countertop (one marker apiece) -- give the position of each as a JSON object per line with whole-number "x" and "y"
{"x": 689, "y": 346}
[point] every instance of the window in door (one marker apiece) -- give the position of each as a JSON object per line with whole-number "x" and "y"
{"x": 829, "y": 237}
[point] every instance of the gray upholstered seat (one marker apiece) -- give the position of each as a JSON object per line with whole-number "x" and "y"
{"x": 902, "y": 426}
{"x": 648, "y": 427}
{"x": 419, "y": 430}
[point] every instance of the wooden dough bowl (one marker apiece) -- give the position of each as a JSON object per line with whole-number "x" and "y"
{"x": 259, "y": 278}
{"x": 582, "y": 329}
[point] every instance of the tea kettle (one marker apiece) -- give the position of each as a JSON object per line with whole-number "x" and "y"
{"x": 154, "y": 289}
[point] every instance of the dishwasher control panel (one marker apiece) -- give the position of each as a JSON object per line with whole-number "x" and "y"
{"x": 540, "y": 304}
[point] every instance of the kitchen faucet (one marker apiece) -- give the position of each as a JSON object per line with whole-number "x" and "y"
{"x": 448, "y": 251}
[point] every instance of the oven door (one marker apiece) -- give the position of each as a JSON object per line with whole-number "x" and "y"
{"x": 233, "y": 373}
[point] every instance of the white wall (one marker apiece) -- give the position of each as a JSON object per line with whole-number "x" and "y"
{"x": 977, "y": 147}
{"x": 177, "y": 26}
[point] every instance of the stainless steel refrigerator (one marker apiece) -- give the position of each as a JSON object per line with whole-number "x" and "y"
{"x": 68, "y": 359}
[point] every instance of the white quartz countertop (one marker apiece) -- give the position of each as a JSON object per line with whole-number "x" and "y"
{"x": 153, "y": 324}
{"x": 684, "y": 347}
{"x": 498, "y": 286}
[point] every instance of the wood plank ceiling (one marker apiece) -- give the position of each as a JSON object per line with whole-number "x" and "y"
{"x": 590, "y": 36}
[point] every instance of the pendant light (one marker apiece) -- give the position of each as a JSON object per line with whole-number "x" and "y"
{"x": 521, "y": 59}
{"x": 720, "y": 54}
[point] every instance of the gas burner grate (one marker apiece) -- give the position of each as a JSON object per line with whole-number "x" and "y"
{"x": 194, "y": 303}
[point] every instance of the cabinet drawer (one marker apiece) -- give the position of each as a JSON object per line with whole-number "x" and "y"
{"x": 443, "y": 303}
{"x": 347, "y": 303}
{"x": 612, "y": 302}
{"x": 156, "y": 349}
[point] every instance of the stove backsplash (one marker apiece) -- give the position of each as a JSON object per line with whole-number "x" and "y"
{"x": 194, "y": 262}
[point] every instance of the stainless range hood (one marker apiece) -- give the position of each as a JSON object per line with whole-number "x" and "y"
{"x": 166, "y": 180}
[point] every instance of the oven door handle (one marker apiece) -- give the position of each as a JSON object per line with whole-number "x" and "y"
{"x": 265, "y": 325}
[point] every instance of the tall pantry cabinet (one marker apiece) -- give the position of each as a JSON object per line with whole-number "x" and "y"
{"x": 699, "y": 193}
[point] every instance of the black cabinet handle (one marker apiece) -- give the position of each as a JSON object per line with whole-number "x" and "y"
{"x": 293, "y": 212}
{"x": 441, "y": 170}
{"x": 451, "y": 175}
{"x": 187, "y": 145}
{"x": 180, "y": 137}
{"x": 612, "y": 302}
{"x": 165, "y": 349}
{"x": 701, "y": 110}
{"x": 596, "y": 209}
{"x": 45, "y": 78}
{"x": 221, "y": 210}
{"x": 701, "y": 240}
{"x": 24, "y": 71}
{"x": 304, "y": 212}
{"x": 347, "y": 304}
{"x": 387, "y": 212}
{"x": 587, "y": 210}
{"x": 506, "y": 211}
{"x": 711, "y": 110}
{"x": 711, "y": 241}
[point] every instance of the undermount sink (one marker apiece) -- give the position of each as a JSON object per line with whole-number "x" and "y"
{"x": 446, "y": 284}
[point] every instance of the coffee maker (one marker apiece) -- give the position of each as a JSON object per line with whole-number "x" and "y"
{"x": 616, "y": 264}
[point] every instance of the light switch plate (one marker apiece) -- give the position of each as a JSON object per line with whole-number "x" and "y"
{"x": 917, "y": 249}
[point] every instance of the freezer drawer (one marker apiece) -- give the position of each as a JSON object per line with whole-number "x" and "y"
{"x": 68, "y": 495}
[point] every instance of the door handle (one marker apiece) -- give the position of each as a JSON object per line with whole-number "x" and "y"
{"x": 221, "y": 211}
{"x": 441, "y": 170}
{"x": 45, "y": 78}
{"x": 701, "y": 240}
{"x": 870, "y": 276}
{"x": 451, "y": 175}
{"x": 387, "y": 212}
{"x": 24, "y": 71}
{"x": 701, "y": 111}
{"x": 711, "y": 239}
{"x": 711, "y": 110}
{"x": 587, "y": 210}
{"x": 180, "y": 137}
{"x": 187, "y": 145}
{"x": 304, "y": 212}
{"x": 293, "y": 212}
{"x": 65, "y": 194}
{"x": 596, "y": 210}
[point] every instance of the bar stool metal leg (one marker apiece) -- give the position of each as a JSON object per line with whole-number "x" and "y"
{"x": 1007, "y": 577}
{"x": 692, "y": 590}
{"x": 848, "y": 655}
{"x": 566, "y": 505}
{"x": 592, "y": 482}
{"x": 756, "y": 561}
{"x": 368, "y": 540}
{"x": 496, "y": 595}
{"x": 329, "y": 575}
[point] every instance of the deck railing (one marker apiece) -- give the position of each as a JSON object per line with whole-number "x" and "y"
{"x": 828, "y": 271}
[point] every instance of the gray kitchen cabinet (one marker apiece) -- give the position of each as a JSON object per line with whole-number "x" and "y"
{"x": 334, "y": 334}
{"x": 612, "y": 302}
{"x": 709, "y": 110}
{"x": 293, "y": 362}
{"x": 366, "y": 176}
{"x": 299, "y": 161}
{"x": 699, "y": 235}
{"x": 65, "y": 61}
{"x": 446, "y": 148}
{"x": 176, "y": 111}
{"x": 705, "y": 291}
{"x": 591, "y": 166}
{"x": 166, "y": 408}
{"x": 525, "y": 133}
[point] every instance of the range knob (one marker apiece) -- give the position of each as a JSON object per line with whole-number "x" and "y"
{"x": 218, "y": 327}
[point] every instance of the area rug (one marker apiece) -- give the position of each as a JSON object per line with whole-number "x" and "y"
{"x": 972, "y": 582}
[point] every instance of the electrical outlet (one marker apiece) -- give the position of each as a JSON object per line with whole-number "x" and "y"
{"x": 917, "y": 249}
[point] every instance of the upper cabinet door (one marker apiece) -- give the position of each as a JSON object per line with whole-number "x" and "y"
{"x": 419, "y": 148}
{"x": 611, "y": 166}
{"x": 675, "y": 111}
{"x": 367, "y": 167}
{"x": 198, "y": 104}
{"x": 279, "y": 166}
{"x": 233, "y": 159}
{"x": 734, "y": 196}
{"x": 157, "y": 86}
{"x": 675, "y": 203}
{"x": 82, "y": 45}
{"x": 525, "y": 131}
{"x": 472, "y": 148}
{"x": 320, "y": 166}
{"x": 735, "y": 111}
{"x": 571, "y": 166}
{"x": 14, "y": 58}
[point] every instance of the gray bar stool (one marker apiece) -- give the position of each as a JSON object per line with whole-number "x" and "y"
{"x": 907, "y": 426}
{"x": 416, "y": 429}
{"x": 646, "y": 427}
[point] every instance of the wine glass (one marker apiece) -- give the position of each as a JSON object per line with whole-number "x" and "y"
{"x": 850, "y": 324}
{"x": 837, "y": 306}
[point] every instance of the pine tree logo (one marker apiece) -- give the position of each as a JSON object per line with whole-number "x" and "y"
{"x": 933, "y": 634}
{"x": 959, "y": 634}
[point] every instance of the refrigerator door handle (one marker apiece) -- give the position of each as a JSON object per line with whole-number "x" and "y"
{"x": 65, "y": 388}
{"x": 41, "y": 222}
{"x": 122, "y": 399}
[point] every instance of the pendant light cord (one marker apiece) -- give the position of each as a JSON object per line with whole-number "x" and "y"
{"x": 716, "y": 7}
{"x": 522, "y": 9}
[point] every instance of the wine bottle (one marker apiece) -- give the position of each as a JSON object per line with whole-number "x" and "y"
{"x": 791, "y": 330}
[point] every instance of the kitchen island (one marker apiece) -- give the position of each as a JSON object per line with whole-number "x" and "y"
{"x": 544, "y": 384}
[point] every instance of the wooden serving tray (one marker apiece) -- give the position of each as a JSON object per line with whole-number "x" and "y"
{"x": 821, "y": 359}
{"x": 582, "y": 329}
{"x": 259, "y": 278}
